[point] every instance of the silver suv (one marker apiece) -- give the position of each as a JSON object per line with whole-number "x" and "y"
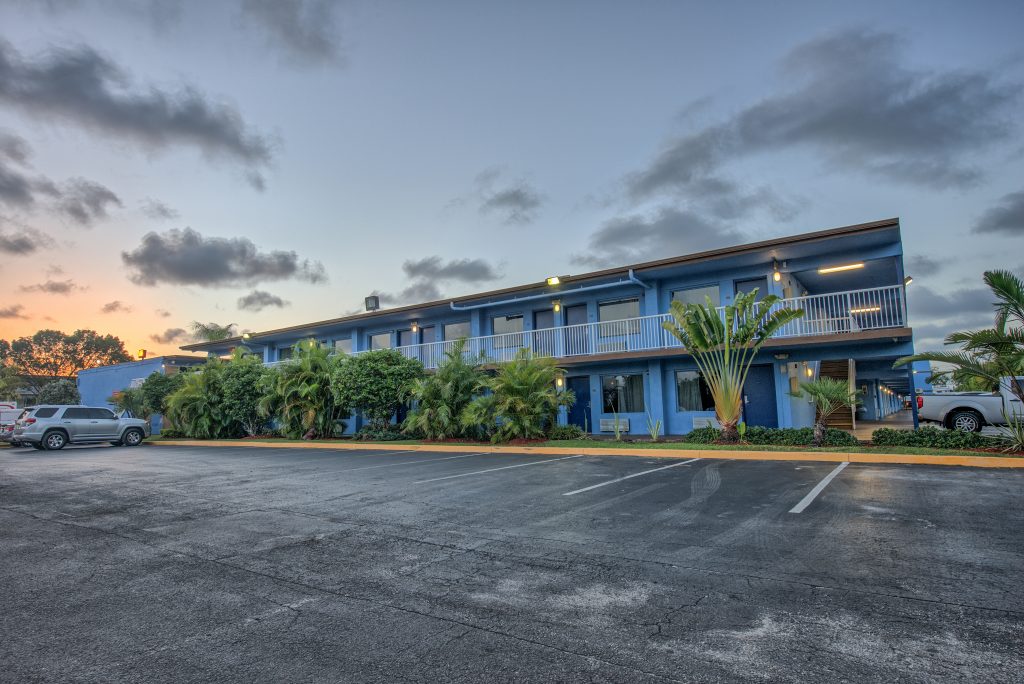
{"x": 53, "y": 427}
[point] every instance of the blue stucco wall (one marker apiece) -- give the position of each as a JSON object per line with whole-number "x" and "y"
{"x": 96, "y": 385}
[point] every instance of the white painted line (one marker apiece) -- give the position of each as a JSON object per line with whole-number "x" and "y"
{"x": 806, "y": 501}
{"x": 491, "y": 470}
{"x": 627, "y": 477}
{"x": 424, "y": 460}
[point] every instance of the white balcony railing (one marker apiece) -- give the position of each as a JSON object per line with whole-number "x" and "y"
{"x": 836, "y": 313}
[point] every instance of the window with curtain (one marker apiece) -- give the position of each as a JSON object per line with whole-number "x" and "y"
{"x": 623, "y": 393}
{"x": 692, "y": 393}
{"x": 614, "y": 317}
{"x": 698, "y": 295}
{"x": 455, "y": 331}
{"x": 508, "y": 327}
{"x": 380, "y": 341}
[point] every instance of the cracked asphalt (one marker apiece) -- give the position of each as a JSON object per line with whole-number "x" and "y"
{"x": 238, "y": 564}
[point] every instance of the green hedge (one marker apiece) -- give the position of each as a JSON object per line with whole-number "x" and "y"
{"x": 562, "y": 432}
{"x": 775, "y": 436}
{"x": 372, "y": 434}
{"x": 930, "y": 437}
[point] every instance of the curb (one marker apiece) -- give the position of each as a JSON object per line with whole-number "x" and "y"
{"x": 826, "y": 456}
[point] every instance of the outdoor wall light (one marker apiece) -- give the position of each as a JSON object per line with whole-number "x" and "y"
{"x": 556, "y": 305}
{"x": 415, "y": 327}
{"x": 554, "y": 280}
{"x": 908, "y": 280}
{"x": 559, "y": 381}
{"x": 776, "y": 275}
{"x": 246, "y": 336}
{"x": 844, "y": 267}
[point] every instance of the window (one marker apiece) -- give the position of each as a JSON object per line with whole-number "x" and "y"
{"x": 343, "y": 346}
{"x": 427, "y": 334}
{"x": 698, "y": 295}
{"x": 101, "y": 414}
{"x": 406, "y": 338}
{"x": 284, "y": 353}
{"x": 455, "y": 331}
{"x": 44, "y": 412}
{"x": 507, "y": 327}
{"x": 612, "y": 315}
{"x": 76, "y": 413}
{"x": 692, "y": 393}
{"x": 380, "y": 341}
{"x": 623, "y": 393}
{"x": 759, "y": 284}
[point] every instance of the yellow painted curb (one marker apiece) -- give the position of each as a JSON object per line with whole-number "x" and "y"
{"x": 827, "y": 456}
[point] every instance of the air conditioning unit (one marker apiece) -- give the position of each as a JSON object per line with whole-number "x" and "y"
{"x": 608, "y": 425}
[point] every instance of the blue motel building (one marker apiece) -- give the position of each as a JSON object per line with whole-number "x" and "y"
{"x": 604, "y": 328}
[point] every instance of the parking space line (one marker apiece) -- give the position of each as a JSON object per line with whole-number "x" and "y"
{"x": 425, "y": 460}
{"x": 491, "y": 470}
{"x": 811, "y": 495}
{"x": 627, "y": 477}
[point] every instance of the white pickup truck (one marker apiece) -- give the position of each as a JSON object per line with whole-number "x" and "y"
{"x": 970, "y": 411}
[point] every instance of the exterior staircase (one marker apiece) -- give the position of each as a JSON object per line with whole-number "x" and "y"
{"x": 841, "y": 369}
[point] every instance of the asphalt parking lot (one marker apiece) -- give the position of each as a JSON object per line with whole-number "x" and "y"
{"x": 240, "y": 564}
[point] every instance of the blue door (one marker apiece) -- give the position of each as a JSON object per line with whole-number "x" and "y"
{"x": 579, "y": 413}
{"x": 759, "y": 397}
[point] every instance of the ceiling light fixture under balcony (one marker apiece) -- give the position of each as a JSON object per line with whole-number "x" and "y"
{"x": 837, "y": 269}
{"x": 866, "y": 309}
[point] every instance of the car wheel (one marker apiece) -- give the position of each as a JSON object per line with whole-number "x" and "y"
{"x": 133, "y": 437}
{"x": 966, "y": 421}
{"x": 54, "y": 441}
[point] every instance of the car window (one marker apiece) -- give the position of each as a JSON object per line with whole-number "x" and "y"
{"x": 101, "y": 414}
{"x": 46, "y": 412}
{"x": 73, "y": 413}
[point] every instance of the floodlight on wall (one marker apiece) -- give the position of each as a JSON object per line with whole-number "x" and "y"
{"x": 141, "y": 354}
{"x": 554, "y": 280}
{"x": 908, "y": 280}
{"x": 837, "y": 269}
{"x": 246, "y": 337}
{"x": 372, "y": 303}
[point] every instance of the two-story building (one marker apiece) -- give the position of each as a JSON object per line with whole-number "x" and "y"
{"x": 604, "y": 328}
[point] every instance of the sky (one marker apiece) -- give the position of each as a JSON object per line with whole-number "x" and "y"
{"x": 271, "y": 162}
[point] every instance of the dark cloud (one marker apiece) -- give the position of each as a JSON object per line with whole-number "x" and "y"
{"x": 163, "y": 313}
{"x": 855, "y": 103}
{"x": 258, "y": 300}
{"x": 171, "y": 335}
{"x": 512, "y": 201}
{"x": 85, "y": 201}
{"x": 17, "y": 188}
{"x": 158, "y": 211}
{"x": 1006, "y": 218}
{"x": 18, "y": 243}
{"x": 80, "y": 85}
{"x": 920, "y": 265}
{"x": 305, "y": 31}
{"x": 61, "y": 287}
{"x": 416, "y": 293}
{"x": 13, "y": 147}
{"x": 116, "y": 306}
{"x": 185, "y": 257}
{"x": 464, "y": 270}
{"x": 933, "y": 315}
{"x": 12, "y": 311}
{"x": 668, "y": 232}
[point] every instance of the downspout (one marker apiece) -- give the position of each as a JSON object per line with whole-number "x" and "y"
{"x": 630, "y": 279}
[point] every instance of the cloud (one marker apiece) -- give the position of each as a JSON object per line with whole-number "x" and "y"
{"x": 1007, "y": 217}
{"x": 116, "y": 306}
{"x": 61, "y": 287}
{"x": 933, "y": 315}
{"x": 163, "y": 313}
{"x": 854, "y": 103}
{"x": 666, "y": 232}
{"x": 416, "y": 293}
{"x": 257, "y": 300}
{"x": 305, "y": 31}
{"x": 464, "y": 270}
{"x": 86, "y": 201}
{"x": 158, "y": 211}
{"x": 171, "y": 335}
{"x": 513, "y": 201}
{"x": 185, "y": 257}
{"x": 81, "y": 86}
{"x": 921, "y": 265}
{"x": 12, "y": 311}
{"x": 18, "y": 243}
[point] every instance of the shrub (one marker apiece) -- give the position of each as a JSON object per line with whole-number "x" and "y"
{"x": 157, "y": 387}
{"x": 523, "y": 402}
{"x": 245, "y": 381}
{"x": 171, "y": 433}
{"x": 931, "y": 437}
{"x": 197, "y": 407}
{"x": 561, "y": 432}
{"x": 388, "y": 434}
{"x": 377, "y": 383}
{"x": 439, "y": 399}
{"x": 762, "y": 436}
{"x": 60, "y": 392}
{"x": 299, "y": 393}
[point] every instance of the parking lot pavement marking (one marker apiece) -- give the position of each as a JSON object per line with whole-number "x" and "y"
{"x": 491, "y": 470}
{"x": 424, "y": 460}
{"x": 806, "y": 501}
{"x": 627, "y": 477}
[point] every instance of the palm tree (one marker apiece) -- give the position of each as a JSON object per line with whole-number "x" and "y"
{"x": 302, "y": 396}
{"x": 197, "y": 407}
{"x": 212, "y": 332}
{"x": 725, "y": 344}
{"x": 828, "y": 395}
{"x": 522, "y": 402}
{"x": 990, "y": 354}
{"x": 441, "y": 398}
